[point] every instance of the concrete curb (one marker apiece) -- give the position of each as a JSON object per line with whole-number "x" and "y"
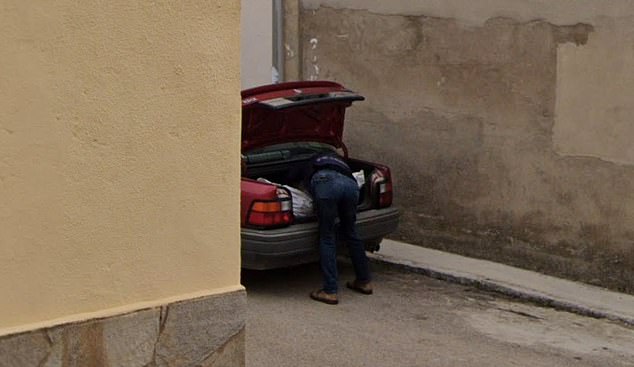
{"x": 522, "y": 284}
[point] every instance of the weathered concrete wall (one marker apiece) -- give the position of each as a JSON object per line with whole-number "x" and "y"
{"x": 292, "y": 41}
{"x": 506, "y": 123}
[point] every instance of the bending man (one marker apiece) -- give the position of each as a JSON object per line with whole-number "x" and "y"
{"x": 335, "y": 195}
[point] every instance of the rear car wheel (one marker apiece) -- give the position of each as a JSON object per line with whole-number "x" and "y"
{"x": 373, "y": 245}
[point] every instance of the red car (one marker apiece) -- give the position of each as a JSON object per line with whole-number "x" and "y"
{"x": 283, "y": 126}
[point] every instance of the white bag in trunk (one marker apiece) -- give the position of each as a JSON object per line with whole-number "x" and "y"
{"x": 302, "y": 202}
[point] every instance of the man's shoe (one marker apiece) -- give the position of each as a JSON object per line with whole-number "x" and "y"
{"x": 363, "y": 288}
{"x": 321, "y": 296}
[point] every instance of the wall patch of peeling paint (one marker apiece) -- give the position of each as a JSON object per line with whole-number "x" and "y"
{"x": 314, "y": 59}
{"x": 594, "y": 111}
{"x": 476, "y": 13}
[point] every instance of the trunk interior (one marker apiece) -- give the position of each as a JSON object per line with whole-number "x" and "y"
{"x": 277, "y": 167}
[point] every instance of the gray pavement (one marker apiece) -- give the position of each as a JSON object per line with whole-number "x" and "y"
{"x": 414, "y": 320}
{"x": 524, "y": 284}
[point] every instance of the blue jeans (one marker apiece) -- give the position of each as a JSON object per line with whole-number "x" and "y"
{"x": 336, "y": 196}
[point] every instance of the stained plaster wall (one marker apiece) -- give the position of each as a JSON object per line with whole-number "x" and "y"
{"x": 507, "y": 123}
{"x": 119, "y": 141}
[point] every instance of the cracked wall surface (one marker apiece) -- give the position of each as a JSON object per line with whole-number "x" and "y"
{"x": 204, "y": 332}
{"x": 506, "y": 127}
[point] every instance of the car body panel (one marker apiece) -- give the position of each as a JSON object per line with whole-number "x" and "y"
{"x": 297, "y": 111}
{"x": 298, "y": 244}
{"x": 251, "y": 189}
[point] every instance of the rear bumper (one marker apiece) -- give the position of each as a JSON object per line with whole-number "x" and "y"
{"x": 297, "y": 244}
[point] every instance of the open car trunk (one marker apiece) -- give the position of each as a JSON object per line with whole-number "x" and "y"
{"x": 276, "y": 166}
{"x": 283, "y": 126}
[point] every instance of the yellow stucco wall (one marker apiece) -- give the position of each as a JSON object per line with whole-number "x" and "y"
{"x": 119, "y": 141}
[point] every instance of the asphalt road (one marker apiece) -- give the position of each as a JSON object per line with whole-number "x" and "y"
{"x": 412, "y": 320}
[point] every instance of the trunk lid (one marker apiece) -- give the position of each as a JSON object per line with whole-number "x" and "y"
{"x": 295, "y": 111}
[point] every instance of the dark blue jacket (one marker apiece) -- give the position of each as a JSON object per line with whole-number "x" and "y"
{"x": 303, "y": 174}
{"x": 333, "y": 162}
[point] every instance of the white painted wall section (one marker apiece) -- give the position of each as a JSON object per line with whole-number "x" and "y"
{"x": 257, "y": 43}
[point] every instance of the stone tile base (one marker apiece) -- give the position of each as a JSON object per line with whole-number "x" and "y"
{"x": 205, "y": 332}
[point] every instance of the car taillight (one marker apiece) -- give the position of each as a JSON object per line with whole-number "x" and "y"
{"x": 272, "y": 213}
{"x": 382, "y": 187}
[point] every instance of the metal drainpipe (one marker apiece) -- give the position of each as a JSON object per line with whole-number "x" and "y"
{"x": 278, "y": 38}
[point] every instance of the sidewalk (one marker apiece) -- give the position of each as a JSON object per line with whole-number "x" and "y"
{"x": 524, "y": 284}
